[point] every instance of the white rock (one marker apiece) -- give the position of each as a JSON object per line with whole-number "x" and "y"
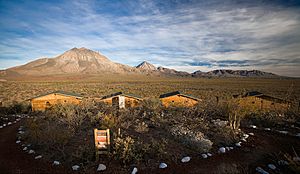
{"x": 296, "y": 158}
{"x": 18, "y": 141}
{"x": 25, "y": 148}
{"x": 21, "y": 132}
{"x": 267, "y": 129}
{"x": 28, "y": 145}
{"x": 38, "y": 157}
{"x": 186, "y": 159}
{"x": 4, "y": 125}
{"x": 134, "y": 171}
{"x": 272, "y": 166}
{"x": 227, "y": 148}
{"x": 252, "y": 134}
{"x": 101, "y": 167}
{"x": 283, "y": 132}
{"x": 163, "y": 165}
{"x": 283, "y": 162}
{"x": 243, "y": 139}
{"x": 204, "y": 155}
{"x": 209, "y": 154}
{"x": 253, "y": 126}
{"x": 1, "y": 127}
{"x": 262, "y": 171}
{"x": 231, "y": 148}
{"x": 75, "y": 167}
{"x": 297, "y": 135}
{"x": 15, "y": 122}
{"x": 222, "y": 150}
{"x": 238, "y": 144}
{"x": 55, "y": 163}
{"x": 31, "y": 152}
{"x": 9, "y": 123}
{"x": 245, "y": 136}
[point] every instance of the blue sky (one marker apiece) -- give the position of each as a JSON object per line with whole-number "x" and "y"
{"x": 182, "y": 34}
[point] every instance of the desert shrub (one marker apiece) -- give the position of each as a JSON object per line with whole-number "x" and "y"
{"x": 265, "y": 119}
{"x": 16, "y": 108}
{"x": 222, "y": 135}
{"x": 141, "y": 127}
{"x": 125, "y": 150}
{"x": 194, "y": 139}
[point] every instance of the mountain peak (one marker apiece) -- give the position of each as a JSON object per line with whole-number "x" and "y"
{"x": 146, "y": 66}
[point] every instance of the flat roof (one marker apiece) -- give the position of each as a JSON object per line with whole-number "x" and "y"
{"x": 59, "y": 92}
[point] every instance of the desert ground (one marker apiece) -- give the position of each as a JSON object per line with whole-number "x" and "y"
{"x": 150, "y": 134}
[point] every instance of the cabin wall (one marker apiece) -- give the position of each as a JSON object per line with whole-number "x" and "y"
{"x": 42, "y": 103}
{"x": 129, "y": 102}
{"x": 178, "y": 100}
{"x": 256, "y": 104}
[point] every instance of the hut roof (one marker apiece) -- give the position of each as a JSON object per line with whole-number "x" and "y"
{"x": 273, "y": 99}
{"x": 121, "y": 93}
{"x": 252, "y": 93}
{"x": 264, "y": 96}
{"x": 177, "y": 93}
{"x": 59, "y": 92}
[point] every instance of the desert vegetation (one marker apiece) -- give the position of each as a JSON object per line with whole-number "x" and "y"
{"x": 148, "y": 134}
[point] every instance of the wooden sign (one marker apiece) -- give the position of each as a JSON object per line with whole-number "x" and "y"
{"x": 102, "y": 142}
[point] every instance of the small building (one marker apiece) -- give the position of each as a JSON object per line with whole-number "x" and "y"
{"x": 121, "y": 100}
{"x": 257, "y": 101}
{"x": 45, "y": 101}
{"x": 178, "y": 99}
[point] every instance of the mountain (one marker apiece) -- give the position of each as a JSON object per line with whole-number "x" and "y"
{"x": 146, "y": 66}
{"x": 85, "y": 61}
{"x": 173, "y": 72}
{"x": 149, "y": 68}
{"x": 234, "y": 73}
{"x": 74, "y": 61}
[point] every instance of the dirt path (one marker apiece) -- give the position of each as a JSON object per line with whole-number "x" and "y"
{"x": 261, "y": 149}
{"x": 14, "y": 161}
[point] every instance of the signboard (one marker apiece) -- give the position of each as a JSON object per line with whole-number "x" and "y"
{"x": 102, "y": 141}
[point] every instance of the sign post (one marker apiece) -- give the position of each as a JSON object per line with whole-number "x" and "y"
{"x": 102, "y": 142}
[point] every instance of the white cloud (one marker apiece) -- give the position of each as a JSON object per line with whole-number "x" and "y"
{"x": 185, "y": 35}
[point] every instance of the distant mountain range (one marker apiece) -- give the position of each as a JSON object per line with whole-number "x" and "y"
{"x": 85, "y": 61}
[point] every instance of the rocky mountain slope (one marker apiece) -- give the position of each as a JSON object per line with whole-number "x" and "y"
{"x": 234, "y": 73}
{"x": 76, "y": 60}
{"x": 85, "y": 61}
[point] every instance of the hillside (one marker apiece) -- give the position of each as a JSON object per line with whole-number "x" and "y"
{"x": 85, "y": 61}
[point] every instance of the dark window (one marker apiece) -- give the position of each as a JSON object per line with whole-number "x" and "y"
{"x": 253, "y": 102}
{"x": 272, "y": 103}
{"x": 172, "y": 101}
{"x": 65, "y": 101}
{"x": 47, "y": 103}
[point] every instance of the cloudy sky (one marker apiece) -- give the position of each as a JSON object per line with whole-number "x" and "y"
{"x": 182, "y": 34}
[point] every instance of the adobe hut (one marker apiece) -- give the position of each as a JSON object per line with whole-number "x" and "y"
{"x": 42, "y": 102}
{"x": 121, "y": 100}
{"x": 178, "y": 99}
{"x": 256, "y": 101}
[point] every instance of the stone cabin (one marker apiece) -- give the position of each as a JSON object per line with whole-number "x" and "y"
{"x": 45, "y": 101}
{"x": 121, "y": 100}
{"x": 176, "y": 98}
{"x": 257, "y": 101}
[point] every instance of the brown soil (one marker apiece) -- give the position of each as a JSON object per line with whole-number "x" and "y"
{"x": 261, "y": 149}
{"x": 14, "y": 161}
